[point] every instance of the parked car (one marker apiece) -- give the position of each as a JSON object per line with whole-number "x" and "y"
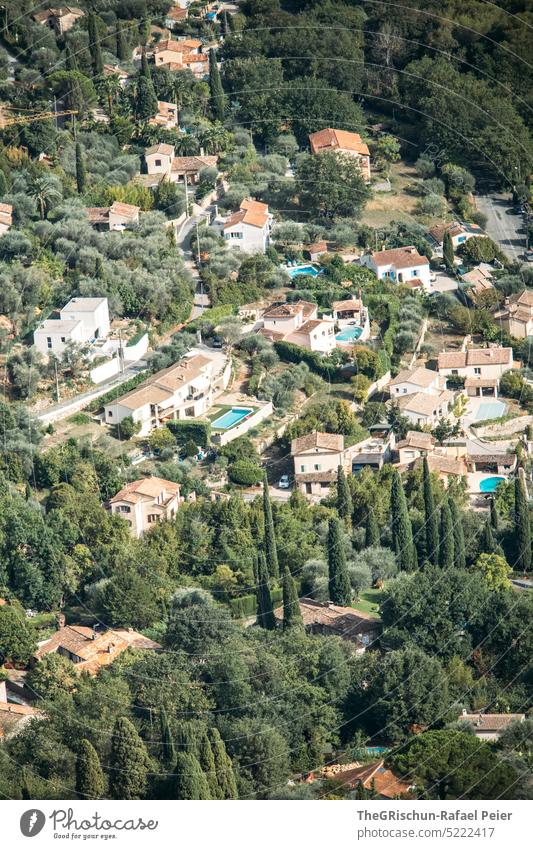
{"x": 528, "y": 256}
{"x": 284, "y": 482}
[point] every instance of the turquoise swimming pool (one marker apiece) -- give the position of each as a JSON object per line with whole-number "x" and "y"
{"x": 490, "y": 484}
{"x": 349, "y": 334}
{"x": 231, "y": 417}
{"x": 304, "y": 269}
{"x": 490, "y": 410}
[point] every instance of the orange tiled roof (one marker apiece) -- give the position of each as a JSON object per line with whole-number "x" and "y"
{"x": 476, "y": 357}
{"x": 149, "y": 487}
{"x": 317, "y": 439}
{"x": 330, "y": 139}
{"x": 400, "y": 257}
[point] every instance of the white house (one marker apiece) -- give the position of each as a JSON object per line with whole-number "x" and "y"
{"x": 400, "y": 265}
{"x": 81, "y": 321}
{"x": 482, "y": 368}
{"x": 516, "y": 315}
{"x": 410, "y": 381}
{"x": 489, "y": 726}
{"x": 459, "y": 234}
{"x": 249, "y": 228}
{"x": 116, "y": 217}
{"x": 166, "y": 115}
{"x": 161, "y": 160}
{"x": 426, "y": 409}
{"x": 298, "y": 323}
{"x": 146, "y": 502}
{"x": 342, "y": 141}
{"x": 317, "y": 457}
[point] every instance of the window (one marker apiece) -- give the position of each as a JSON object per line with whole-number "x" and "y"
{"x": 302, "y": 469}
{"x": 123, "y": 508}
{"x": 158, "y": 163}
{"x": 404, "y": 391}
{"x": 63, "y": 339}
{"x": 152, "y": 517}
{"x": 461, "y": 239}
{"x": 48, "y": 341}
{"x": 110, "y": 414}
{"x": 317, "y": 467}
{"x": 455, "y": 371}
{"x": 477, "y": 371}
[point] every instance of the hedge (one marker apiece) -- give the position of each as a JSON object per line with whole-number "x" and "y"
{"x": 198, "y": 432}
{"x": 288, "y": 352}
{"x": 246, "y": 605}
{"x": 97, "y": 403}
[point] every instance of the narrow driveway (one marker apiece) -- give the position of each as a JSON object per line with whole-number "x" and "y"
{"x": 502, "y": 224}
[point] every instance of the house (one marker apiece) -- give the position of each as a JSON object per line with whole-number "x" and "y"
{"x": 424, "y": 409}
{"x": 350, "y": 624}
{"x": 117, "y": 217}
{"x": 184, "y": 390}
{"x": 14, "y": 717}
{"x": 516, "y": 315}
{"x": 60, "y": 20}
{"x": 496, "y": 463}
{"x": 489, "y": 726}
{"x": 481, "y": 367}
{"x": 444, "y": 466}
{"x": 415, "y": 444}
{"x": 166, "y": 115}
{"x": 409, "y": 381}
{"x": 161, "y": 160}
{"x": 342, "y": 141}
{"x": 81, "y": 321}
{"x": 145, "y": 502}
{"x": 315, "y": 251}
{"x": 379, "y": 779}
{"x": 176, "y": 16}
{"x": 182, "y": 55}
{"x": 115, "y": 70}
{"x": 249, "y": 228}
{"x": 459, "y": 233}
{"x": 298, "y": 323}
{"x": 373, "y": 452}
{"x": 6, "y": 217}
{"x": 90, "y": 650}
{"x": 400, "y": 265}
{"x": 317, "y": 457}
{"x": 478, "y": 280}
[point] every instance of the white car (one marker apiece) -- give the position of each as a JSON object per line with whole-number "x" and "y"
{"x": 284, "y": 482}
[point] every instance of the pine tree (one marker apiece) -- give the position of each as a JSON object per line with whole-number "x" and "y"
{"x": 81, "y": 173}
{"x": 487, "y": 543}
{"x": 446, "y": 536}
{"x": 431, "y": 521}
{"x": 218, "y": 105}
{"x": 459, "y": 553}
{"x": 265, "y": 613}
{"x": 146, "y": 106}
{"x": 292, "y": 615}
{"x": 129, "y": 762}
{"x": 344, "y": 496}
{"x": 494, "y": 518}
{"x": 206, "y": 760}
{"x": 190, "y": 782}
{"x": 522, "y": 525}
{"x": 90, "y": 781}
{"x": 372, "y": 534}
{"x": 168, "y": 750}
{"x": 340, "y": 591}
{"x": 402, "y": 531}
{"x": 94, "y": 46}
{"x": 123, "y": 49}
{"x": 448, "y": 252}
{"x": 227, "y": 785}
{"x": 271, "y": 549}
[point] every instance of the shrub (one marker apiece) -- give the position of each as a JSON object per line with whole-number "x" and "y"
{"x": 185, "y": 431}
{"x": 245, "y": 472}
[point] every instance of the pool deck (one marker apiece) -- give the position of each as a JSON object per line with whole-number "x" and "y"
{"x": 473, "y": 480}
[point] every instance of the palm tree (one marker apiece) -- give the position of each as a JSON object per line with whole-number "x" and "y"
{"x": 186, "y": 145}
{"x": 110, "y": 88}
{"x": 214, "y": 138}
{"x": 43, "y": 189}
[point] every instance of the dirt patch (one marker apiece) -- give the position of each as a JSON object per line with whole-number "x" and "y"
{"x": 389, "y": 206}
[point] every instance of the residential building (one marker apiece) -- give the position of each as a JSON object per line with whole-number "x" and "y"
{"x": 298, "y": 323}
{"x": 415, "y": 444}
{"x": 117, "y": 217}
{"x": 400, "y": 265}
{"x": 372, "y": 452}
{"x": 6, "y": 217}
{"x": 443, "y": 465}
{"x": 342, "y": 141}
{"x": 379, "y": 779}
{"x": 516, "y": 315}
{"x": 176, "y": 15}
{"x": 166, "y": 115}
{"x": 184, "y": 390}
{"x": 424, "y": 409}
{"x": 81, "y": 321}
{"x": 315, "y": 251}
{"x": 409, "y": 381}
{"x": 459, "y": 233}
{"x": 489, "y": 726}
{"x": 317, "y": 457}
{"x": 162, "y": 161}
{"x": 182, "y": 55}
{"x": 360, "y": 629}
{"x": 497, "y": 463}
{"x": 146, "y": 502}
{"x": 60, "y": 19}
{"x": 482, "y": 367}
{"x": 14, "y": 717}
{"x": 478, "y": 281}
{"x": 90, "y": 650}
{"x": 115, "y": 70}
{"x": 249, "y": 228}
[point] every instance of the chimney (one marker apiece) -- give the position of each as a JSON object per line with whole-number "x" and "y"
{"x": 202, "y": 152}
{"x": 506, "y": 301}
{"x": 60, "y": 621}
{"x": 94, "y": 634}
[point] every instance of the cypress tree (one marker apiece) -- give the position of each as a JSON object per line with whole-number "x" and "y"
{"x": 227, "y": 785}
{"x": 123, "y": 50}
{"x": 146, "y": 105}
{"x": 431, "y": 522}
{"x": 224, "y": 26}
{"x": 487, "y": 543}
{"x": 216, "y": 91}
{"x": 372, "y": 534}
{"x": 459, "y": 554}
{"x": 168, "y": 750}
{"x": 206, "y": 760}
{"x": 292, "y": 615}
{"x": 446, "y": 536}
{"x": 448, "y": 252}
{"x": 145, "y": 67}
{"x": 94, "y": 46}
{"x": 129, "y": 762}
{"x": 265, "y": 613}
{"x": 344, "y": 496}
{"x": 271, "y": 549}
{"x": 71, "y": 63}
{"x": 81, "y": 173}
{"x": 522, "y": 525}
{"x": 340, "y": 591}
{"x": 3, "y": 183}
{"x": 494, "y": 518}
{"x": 90, "y": 781}
{"x": 189, "y": 781}
{"x": 402, "y": 531}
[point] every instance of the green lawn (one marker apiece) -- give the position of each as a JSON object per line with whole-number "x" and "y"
{"x": 369, "y": 601}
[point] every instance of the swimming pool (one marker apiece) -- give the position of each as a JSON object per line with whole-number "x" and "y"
{"x": 231, "y": 417}
{"x": 349, "y": 334}
{"x": 490, "y": 484}
{"x": 490, "y": 410}
{"x": 304, "y": 269}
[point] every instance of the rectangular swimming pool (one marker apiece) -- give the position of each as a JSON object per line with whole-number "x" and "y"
{"x": 231, "y": 417}
{"x": 490, "y": 410}
{"x": 349, "y": 334}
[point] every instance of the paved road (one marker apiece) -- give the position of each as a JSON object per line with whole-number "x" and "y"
{"x": 502, "y": 226}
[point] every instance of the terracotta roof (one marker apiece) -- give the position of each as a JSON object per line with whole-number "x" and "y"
{"x": 190, "y": 43}
{"x": 316, "y": 477}
{"x": 312, "y": 324}
{"x": 283, "y": 310}
{"x": 490, "y": 722}
{"x": 330, "y": 139}
{"x": 162, "y": 385}
{"x": 148, "y": 487}
{"x": 417, "y": 439}
{"x": 100, "y": 214}
{"x": 177, "y": 14}
{"x": 418, "y": 376}
{"x": 476, "y": 357}
{"x": 114, "y": 69}
{"x": 193, "y": 163}
{"x": 317, "y": 439}
{"x": 94, "y": 649}
{"x": 376, "y": 776}
{"x": 317, "y": 248}
{"x": 6, "y": 214}
{"x": 480, "y": 381}
{"x": 126, "y": 210}
{"x": 422, "y": 403}
{"x": 168, "y": 44}
{"x": 443, "y": 464}
{"x": 399, "y": 257}
{"x": 438, "y": 231}
{"x": 256, "y": 213}
{"x": 500, "y": 459}
{"x": 163, "y": 149}
{"x": 97, "y": 214}
{"x": 351, "y": 304}
{"x": 345, "y": 622}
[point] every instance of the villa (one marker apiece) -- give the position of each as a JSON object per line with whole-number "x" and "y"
{"x": 416, "y": 444}
{"x": 352, "y": 313}
{"x": 489, "y": 726}
{"x": 144, "y": 503}
{"x": 81, "y": 321}
{"x": 478, "y": 281}
{"x": 317, "y": 457}
{"x": 426, "y": 409}
{"x": 459, "y": 233}
{"x": 341, "y": 141}
{"x": 443, "y": 465}
{"x": 399, "y": 265}
{"x": 516, "y": 315}
{"x": 59, "y": 19}
{"x": 116, "y": 217}
{"x": 298, "y": 323}
{"x": 360, "y": 629}
{"x": 166, "y": 115}
{"x": 162, "y": 162}
{"x": 249, "y": 228}
{"x": 181, "y": 56}
{"x": 89, "y": 650}
{"x": 410, "y": 381}
{"x": 482, "y": 368}
{"x": 372, "y": 452}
